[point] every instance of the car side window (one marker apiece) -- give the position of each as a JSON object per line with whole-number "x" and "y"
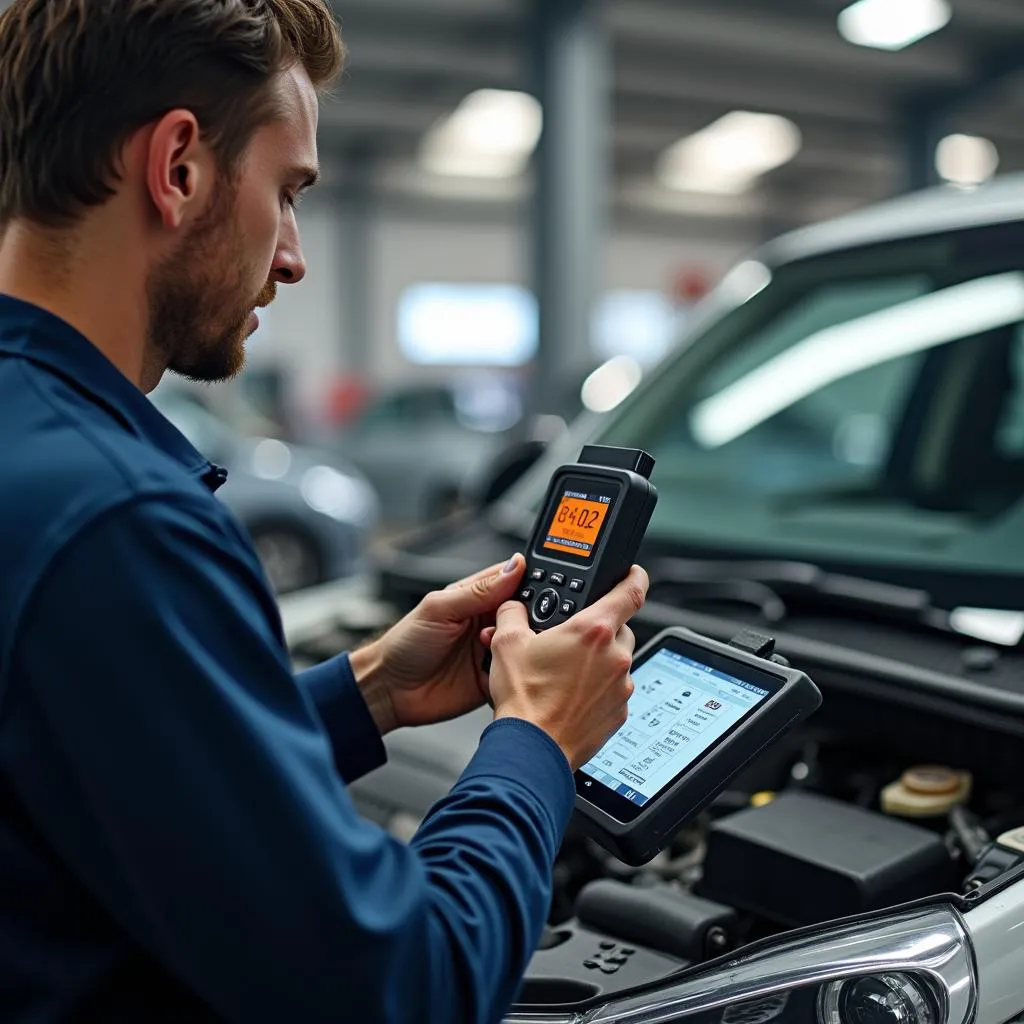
{"x": 1009, "y": 440}
{"x": 833, "y": 429}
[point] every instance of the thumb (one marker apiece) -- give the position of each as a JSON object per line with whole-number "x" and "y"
{"x": 511, "y": 620}
{"x": 486, "y": 593}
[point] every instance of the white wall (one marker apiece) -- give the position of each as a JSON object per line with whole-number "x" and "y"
{"x": 306, "y": 330}
{"x": 303, "y": 329}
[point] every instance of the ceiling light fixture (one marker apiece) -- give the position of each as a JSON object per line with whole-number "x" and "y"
{"x": 893, "y": 24}
{"x": 966, "y": 160}
{"x": 729, "y": 155}
{"x": 491, "y": 134}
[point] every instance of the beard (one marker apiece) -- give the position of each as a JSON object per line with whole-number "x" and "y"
{"x": 200, "y": 299}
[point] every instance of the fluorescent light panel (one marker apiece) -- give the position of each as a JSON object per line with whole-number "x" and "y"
{"x": 491, "y": 134}
{"x": 729, "y": 155}
{"x": 893, "y": 24}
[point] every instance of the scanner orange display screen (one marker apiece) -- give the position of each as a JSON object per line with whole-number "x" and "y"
{"x": 576, "y": 524}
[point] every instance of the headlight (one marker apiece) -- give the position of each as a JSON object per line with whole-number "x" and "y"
{"x": 911, "y": 968}
{"x": 879, "y": 999}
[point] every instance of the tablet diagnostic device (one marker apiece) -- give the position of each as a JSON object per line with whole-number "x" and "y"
{"x": 591, "y": 524}
{"x": 701, "y": 711}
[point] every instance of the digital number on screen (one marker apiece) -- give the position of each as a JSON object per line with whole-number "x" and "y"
{"x": 576, "y": 523}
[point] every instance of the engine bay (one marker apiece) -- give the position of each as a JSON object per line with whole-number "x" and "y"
{"x": 902, "y": 787}
{"x": 826, "y": 826}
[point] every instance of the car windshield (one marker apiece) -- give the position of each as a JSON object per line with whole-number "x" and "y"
{"x": 862, "y": 406}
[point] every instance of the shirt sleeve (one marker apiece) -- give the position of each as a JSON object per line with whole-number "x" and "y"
{"x": 153, "y": 729}
{"x": 355, "y": 739}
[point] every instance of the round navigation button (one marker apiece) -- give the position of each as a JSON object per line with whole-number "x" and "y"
{"x": 546, "y": 605}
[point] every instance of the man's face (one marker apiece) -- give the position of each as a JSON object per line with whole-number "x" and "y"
{"x": 202, "y": 298}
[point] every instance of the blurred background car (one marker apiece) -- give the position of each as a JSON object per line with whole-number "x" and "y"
{"x": 311, "y": 516}
{"x": 424, "y": 446}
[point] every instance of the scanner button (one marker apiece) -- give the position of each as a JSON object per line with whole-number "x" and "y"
{"x": 527, "y": 594}
{"x": 558, "y": 579}
{"x": 627, "y": 951}
{"x": 567, "y": 607}
{"x": 590, "y": 964}
{"x": 576, "y": 586}
{"x": 607, "y": 968}
{"x": 607, "y": 945}
{"x": 537, "y": 575}
{"x": 618, "y": 960}
{"x": 545, "y": 606}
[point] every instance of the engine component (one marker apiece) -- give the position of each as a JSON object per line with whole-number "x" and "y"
{"x": 929, "y": 791}
{"x": 1006, "y": 853}
{"x": 575, "y": 965}
{"x": 804, "y": 859}
{"x": 661, "y": 917}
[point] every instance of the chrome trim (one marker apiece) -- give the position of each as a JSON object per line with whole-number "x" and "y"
{"x": 931, "y": 942}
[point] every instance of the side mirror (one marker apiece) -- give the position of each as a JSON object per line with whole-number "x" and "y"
{"x": 503, "y": 471}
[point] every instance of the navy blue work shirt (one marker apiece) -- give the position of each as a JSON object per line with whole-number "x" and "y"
{"x": 176, "y": 841}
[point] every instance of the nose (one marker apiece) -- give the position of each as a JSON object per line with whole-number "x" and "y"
{"x": 289, "y": 262}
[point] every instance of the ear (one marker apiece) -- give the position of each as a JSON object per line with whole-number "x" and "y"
{"x": 179, "y": 168}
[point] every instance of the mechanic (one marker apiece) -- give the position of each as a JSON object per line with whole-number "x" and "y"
{"x": 176, "y": 840}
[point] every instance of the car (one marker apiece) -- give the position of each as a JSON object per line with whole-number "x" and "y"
{"x": 421, "y": 444}
{"x": 311, "y": 517}
{"x": 839, "y": 451}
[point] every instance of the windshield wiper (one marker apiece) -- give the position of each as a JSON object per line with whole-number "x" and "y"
{"x": 765, "y": 585}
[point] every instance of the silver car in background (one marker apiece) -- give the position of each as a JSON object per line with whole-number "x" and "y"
{"x": 310, "y": 515}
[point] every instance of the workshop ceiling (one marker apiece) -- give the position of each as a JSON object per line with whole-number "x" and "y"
{"x": 678, "y": 65}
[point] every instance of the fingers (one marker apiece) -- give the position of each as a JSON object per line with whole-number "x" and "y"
{"x": 486, "y": 636}
{"x": 626, "y": 639}
{"x": 511, "y": 623}
{"x": 480, "y": 594}
{"x": 619, "y": 605}
{"x": 483, "y": 574}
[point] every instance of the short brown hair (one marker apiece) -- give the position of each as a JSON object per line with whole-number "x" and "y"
{"x": 79, "y": 77}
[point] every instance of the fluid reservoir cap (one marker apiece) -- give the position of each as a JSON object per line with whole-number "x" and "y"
{"x": 926, "y": 791}
{"x": 931, "y": 779}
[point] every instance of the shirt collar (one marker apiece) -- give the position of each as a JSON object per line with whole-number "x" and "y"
{"x": 42, "y": 338}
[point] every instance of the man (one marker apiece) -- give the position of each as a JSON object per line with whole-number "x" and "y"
{"x": 176, "y": 842}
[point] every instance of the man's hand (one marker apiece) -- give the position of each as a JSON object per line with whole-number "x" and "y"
{"x": 572, "y": 680}
{"x": 427, "y": 667}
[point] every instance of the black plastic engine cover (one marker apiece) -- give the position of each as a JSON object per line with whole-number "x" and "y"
{"x": 804, "y": 859}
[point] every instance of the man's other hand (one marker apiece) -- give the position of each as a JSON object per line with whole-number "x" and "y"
{"x": 427, "y": 667}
